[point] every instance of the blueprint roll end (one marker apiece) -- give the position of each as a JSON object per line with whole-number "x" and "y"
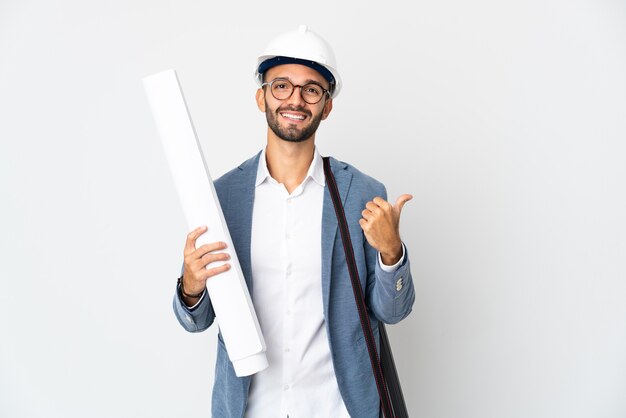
{"x": 250, "y": 365}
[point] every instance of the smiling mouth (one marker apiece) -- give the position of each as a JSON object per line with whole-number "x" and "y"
{"x": 293, "y": 116}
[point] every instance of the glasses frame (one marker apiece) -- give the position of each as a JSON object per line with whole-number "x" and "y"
{"x": 269, "y": 83}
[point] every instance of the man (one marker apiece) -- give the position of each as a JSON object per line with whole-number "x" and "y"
{"x": 284, "y": 229}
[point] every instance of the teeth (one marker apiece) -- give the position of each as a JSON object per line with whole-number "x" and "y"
{"x": 290, "y": 116}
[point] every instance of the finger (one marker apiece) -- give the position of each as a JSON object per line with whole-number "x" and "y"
{"x": 208, "y": 273}
{"x": 190, "y": 244}
{"x": 364, "y": 224}
{"x": 401, "y": 201}
{"x": 211, "y": 258}
{"x": 373, "y": 207}
{"x": 202, "y": 262}
{"x": 208, "y": 248}
{"x": 367, "y": 214}
{"x": 382, "y": 203}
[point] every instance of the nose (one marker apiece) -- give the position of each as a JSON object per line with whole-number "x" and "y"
{"x": 296, "y": 96}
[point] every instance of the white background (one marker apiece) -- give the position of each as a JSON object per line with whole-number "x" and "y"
{"x": 506, "y": 120}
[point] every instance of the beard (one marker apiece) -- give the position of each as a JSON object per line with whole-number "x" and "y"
{"x": 292, "y": 133}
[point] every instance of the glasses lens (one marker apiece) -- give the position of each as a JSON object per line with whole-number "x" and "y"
{"x": 281, "y": 89}
{"x": 312, "y": 93}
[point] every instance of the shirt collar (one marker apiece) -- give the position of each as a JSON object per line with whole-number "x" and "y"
{"x": 316, "y": 170}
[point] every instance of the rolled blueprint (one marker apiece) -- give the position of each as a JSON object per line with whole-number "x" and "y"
{"x": 228, "y": 291}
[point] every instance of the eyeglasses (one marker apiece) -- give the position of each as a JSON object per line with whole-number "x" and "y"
{"x": 282, "y": 89}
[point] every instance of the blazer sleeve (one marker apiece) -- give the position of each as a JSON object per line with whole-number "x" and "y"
{"x": 197, "y": 319}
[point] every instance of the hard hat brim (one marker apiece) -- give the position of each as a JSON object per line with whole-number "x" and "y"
{"x": 276, "y": 61}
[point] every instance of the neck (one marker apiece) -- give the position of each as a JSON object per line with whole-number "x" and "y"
{"x": 288, "y": 162}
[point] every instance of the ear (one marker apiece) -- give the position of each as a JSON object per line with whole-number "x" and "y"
{"x": 260, "y": 99}
{"x": 328, "y": 106}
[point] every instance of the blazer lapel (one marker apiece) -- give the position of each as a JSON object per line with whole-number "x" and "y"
{"x": 343, "y": 179}
{"x": 240, "y": 205}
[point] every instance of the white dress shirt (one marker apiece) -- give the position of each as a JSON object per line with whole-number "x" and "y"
{"x": 287, "y": 294}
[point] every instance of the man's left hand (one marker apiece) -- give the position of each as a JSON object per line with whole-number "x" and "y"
{"x": 381, "y": 225}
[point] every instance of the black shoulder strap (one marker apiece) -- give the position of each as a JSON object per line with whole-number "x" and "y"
{"x": 358, "y": 291}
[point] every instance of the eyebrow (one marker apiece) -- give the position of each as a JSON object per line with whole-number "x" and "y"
{"x": 307, "y": 81}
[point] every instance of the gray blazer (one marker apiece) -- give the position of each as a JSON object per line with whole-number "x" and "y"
{"x": 386, "y": 300}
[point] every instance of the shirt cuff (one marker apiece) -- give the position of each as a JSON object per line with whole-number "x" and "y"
{"x": 389, "y": 269}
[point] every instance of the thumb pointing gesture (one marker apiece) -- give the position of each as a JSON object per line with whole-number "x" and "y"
{"x": 381, "y": 225}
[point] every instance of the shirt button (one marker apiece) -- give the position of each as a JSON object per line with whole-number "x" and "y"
{"x": 286, "y": 387}
{"x": 288, "y": 312}
{"x": 286, "y": 350}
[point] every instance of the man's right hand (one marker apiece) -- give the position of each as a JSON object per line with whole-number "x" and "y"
{"x": 195, "y": 271}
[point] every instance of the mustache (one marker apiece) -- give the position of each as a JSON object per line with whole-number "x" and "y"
{"x": 294, "y": 109}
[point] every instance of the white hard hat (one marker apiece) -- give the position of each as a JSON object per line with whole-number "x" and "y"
{"x": 304, "y": 47}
